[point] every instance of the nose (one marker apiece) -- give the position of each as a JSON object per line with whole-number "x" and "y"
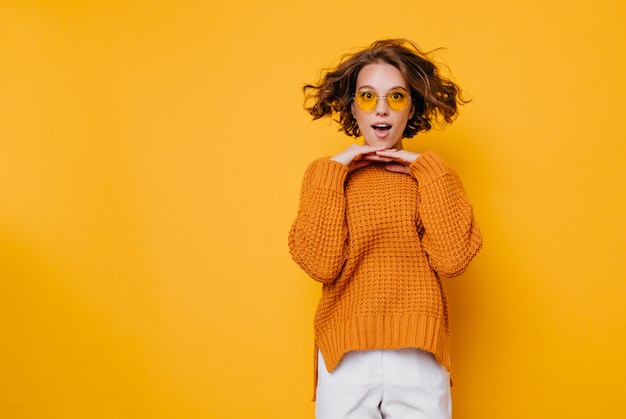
{"x": 382, "y": 108}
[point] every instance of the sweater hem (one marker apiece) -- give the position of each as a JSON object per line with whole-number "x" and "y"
{"x": 386, "y": 332}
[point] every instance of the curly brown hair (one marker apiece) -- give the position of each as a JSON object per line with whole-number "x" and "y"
{"x": 435, "y": 97}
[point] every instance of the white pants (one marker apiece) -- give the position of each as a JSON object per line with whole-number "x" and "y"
{"x": 390, "y": 384}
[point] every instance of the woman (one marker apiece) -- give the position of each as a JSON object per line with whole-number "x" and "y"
{"x": 378, "y": 225}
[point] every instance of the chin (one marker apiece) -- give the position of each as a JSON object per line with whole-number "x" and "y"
{"x": 381, "y": 142}
{"x": 384, "y": 143}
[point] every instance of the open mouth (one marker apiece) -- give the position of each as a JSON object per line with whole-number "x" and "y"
{"x": 381, "y": 127}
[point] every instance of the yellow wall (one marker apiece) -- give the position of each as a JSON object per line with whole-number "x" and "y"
{"x": 150, "y": 161}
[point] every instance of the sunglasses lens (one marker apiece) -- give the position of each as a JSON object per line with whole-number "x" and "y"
{"x": 397, "y": 100}
{"x": 365, "y": 100}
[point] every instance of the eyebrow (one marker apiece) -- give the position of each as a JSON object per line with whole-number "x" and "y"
{"x": 367, "y": 86}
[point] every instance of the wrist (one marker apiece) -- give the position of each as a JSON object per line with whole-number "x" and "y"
{"x": 412, "y": 156}
{"x": 340, "y": 159}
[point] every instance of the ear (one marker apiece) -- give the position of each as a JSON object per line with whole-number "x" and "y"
{"x": 412, "y": 111}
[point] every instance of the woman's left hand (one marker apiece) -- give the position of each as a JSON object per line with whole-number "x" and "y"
{"x": 397, "y": 160}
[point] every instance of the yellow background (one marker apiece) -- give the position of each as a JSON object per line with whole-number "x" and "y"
{"x": 151, "y": 154}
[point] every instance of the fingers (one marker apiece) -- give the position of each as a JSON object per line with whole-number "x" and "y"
{"x": 369, "y": 151}
{"x": 400, "y": 156}
{"x": 359, "y": 153}
{"x": 375, "y": 157}
{"x": 398, "y": 168}
{"x": 391, "y": 153}
{"x": 358, "y": 164}
{"x": 357, "y": 156}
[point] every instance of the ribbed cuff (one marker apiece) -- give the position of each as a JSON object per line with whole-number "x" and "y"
{"x": 330, "y": 174}
{"x": 428, "y": 167}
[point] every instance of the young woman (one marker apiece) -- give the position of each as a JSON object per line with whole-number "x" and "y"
{"x": 378, "y": 226}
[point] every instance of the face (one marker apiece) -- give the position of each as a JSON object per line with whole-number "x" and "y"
{"x": 383, "y": 125}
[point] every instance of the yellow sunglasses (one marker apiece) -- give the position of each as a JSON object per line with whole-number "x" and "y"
{"x": 367, "y": 100}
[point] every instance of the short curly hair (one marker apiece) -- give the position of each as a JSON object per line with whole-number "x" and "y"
{"x": 436, "y": 98}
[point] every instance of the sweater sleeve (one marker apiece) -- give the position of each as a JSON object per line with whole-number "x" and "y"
{"x": 318, "y": 236}
{"x": 451, "y": 236}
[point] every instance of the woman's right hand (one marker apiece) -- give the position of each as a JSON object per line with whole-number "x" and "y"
{"x": 357, "y": 156}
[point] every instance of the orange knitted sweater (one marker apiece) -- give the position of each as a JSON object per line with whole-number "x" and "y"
{"x": 379, "y": 242}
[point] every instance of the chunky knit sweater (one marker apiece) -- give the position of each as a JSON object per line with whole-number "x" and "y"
{"x": 379, "y": 242}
